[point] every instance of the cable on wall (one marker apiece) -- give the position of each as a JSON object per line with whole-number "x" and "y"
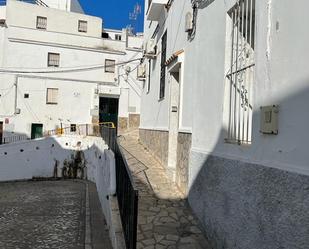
{"x": 5, "y": 70}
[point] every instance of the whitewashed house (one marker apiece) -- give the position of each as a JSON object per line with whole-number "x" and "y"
{"x": 224, "y": 108}
{"x": 57, "y": 69}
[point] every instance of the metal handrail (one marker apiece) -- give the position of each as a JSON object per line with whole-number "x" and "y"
{"x": 127, "y": 194}
{"x": 37, "y": 2}
{"x": 14, "y": 139}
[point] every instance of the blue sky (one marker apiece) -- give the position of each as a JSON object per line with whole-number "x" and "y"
{"x": 115, "y": 13}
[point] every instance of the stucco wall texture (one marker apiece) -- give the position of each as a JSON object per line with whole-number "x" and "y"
{"x": 244, "y": 205}
{"x": 183, "y": 156}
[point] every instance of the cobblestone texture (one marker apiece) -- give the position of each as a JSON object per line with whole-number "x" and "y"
{"x": 42, "y": 215}
{"x": 49, "y": 215}
{"x": 165, "y": 220}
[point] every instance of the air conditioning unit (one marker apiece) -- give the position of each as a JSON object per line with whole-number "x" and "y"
{"x": 189, "y": 22}
{"x": 150, "y": 48}
{"x": 141, "y": 72}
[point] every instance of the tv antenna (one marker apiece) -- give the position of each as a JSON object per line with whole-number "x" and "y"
{"x": 134, "y": 16}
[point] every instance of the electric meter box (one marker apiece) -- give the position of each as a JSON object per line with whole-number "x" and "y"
{"x": 269, "y": 119}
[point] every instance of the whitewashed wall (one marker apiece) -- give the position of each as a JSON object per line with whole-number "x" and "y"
{"x": 25, "y": 47}
{"x": 57, "y": 20}
{"x": 281, "y": 78}
{"x": 37, "y": 158}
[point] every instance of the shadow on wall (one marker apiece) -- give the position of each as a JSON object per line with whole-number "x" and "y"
{"x": 247, "y": 205}
{"x": 63, "y": 156}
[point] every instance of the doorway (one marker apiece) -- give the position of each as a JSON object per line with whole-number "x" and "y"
{"x": 1, "y": 132}
{"x": 174, "y": 117}
{"x": 108, "y": 110}
{"x": 36, "y": 131}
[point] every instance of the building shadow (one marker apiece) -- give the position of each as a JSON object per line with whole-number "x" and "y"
{"x": 256, "y": 196}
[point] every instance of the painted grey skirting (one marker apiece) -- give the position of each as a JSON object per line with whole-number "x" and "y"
{"x": 244, "y": 205}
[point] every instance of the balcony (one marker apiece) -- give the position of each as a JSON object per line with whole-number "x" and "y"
{"x": 155, "y": 8}
{"x": 37, "y": 2}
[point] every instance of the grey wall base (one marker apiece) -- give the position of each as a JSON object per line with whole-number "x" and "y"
{"x": 248, "y": 206}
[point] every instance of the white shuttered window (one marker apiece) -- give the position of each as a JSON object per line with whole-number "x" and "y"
{"x": 41, "y": 22}
{"x": 82, "y": 26}
{"x": 52, "y": 96}
{"x": 110, "y": 66}
{"x": 53, "y": 60}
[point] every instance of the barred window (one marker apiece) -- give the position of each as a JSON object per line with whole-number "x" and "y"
{"x": 53, "y": 60}
{"x": 41, "y": 22}
{"x": 110, "y": 66}
{"x": 163, "y": 67}
{"x": 82, "y": 26}
{"x": 149, "y": 76}
{"x": 240, "y": 75}
{"x": 52, "y": 96}
{"x": 73, "y": 127}
{"x": 118, "y": 37}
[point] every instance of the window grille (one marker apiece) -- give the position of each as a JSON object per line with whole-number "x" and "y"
{"x": 82, "y": 26}
{"x": 52, "y": 96}
{"x": 240, "y": 75}
{"x": 53, "y": 60}
{"x": 163, "y": 67}
{"x": 149, "y": 76}
{"x": 110, "y": 66}
{"x": 41, "y": 22}
{"x": 73, "y": 127}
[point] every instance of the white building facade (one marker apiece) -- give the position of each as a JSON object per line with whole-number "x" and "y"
{"x": 56, "y": 70}
{"x": 224, "y": 110}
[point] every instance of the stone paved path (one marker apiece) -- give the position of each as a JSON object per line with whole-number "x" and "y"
{"x": 165, "y": 220}
{"x": 47, "y": 215}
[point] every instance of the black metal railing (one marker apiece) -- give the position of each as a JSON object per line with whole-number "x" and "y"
{"x": 14, "y": 139}
{"x": 127, "y": 197}
{"x": 37, "y": 2}
{"x": 127, "y": 194}
{"x": 109, "y": 135}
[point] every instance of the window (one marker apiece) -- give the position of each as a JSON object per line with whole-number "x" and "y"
{"x": 53, "y": 60}
{"x": 52, "y": 96}
{"x": 73, "y": 128}
{"x": 118, "y": 37}
{"x": 41, "y": 22}
{"x": 105, "y": 35}
{"x": 82, "y": 26}
{"x": 163, "y": 67}
{"x": 240, "y": 75}
{"x": 26, "y": 95}
{"x": 149, "y": 76}
{"x": 110, "y": 66}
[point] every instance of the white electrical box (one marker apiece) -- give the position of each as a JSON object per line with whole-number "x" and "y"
{"x": 189, "y": 22}
{"x": 141, "y": 72}
{"x": 150, "y": 48}
{"x": 269, "y": 119}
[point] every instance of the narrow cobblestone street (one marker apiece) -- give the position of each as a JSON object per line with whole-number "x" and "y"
{"x": 165, "y": 220}
{"x": 49, "y": 215}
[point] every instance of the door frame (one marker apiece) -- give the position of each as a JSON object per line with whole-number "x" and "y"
{"x": 32, "y": 131}
{"x": 175, "y": 81}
